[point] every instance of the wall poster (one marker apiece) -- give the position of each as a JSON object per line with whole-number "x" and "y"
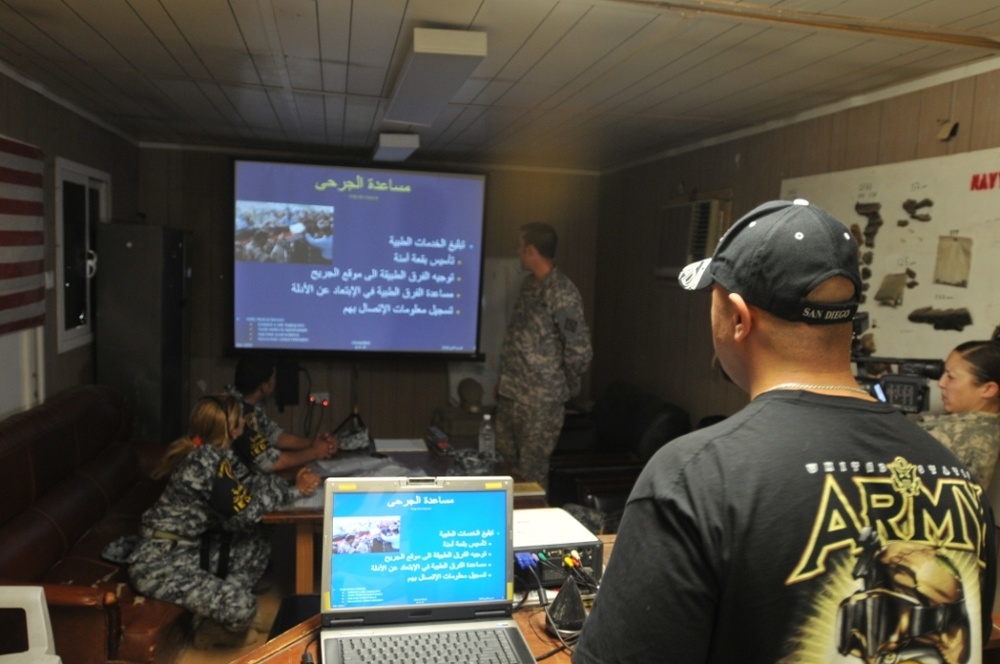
{"x": 930, "y": 254}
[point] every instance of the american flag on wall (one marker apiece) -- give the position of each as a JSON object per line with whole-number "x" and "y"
{"x": 22, "y": 236}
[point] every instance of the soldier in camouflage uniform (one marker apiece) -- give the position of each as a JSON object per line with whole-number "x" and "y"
{"x": 264, "y": 444}
{"x": 970, "y": 394}
{"x": 200, "y": 544}
{"x": 545, "y": 351}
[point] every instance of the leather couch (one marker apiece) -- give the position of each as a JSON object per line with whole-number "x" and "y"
{"x": 73, "y": 481}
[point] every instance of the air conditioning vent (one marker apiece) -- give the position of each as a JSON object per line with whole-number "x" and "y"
{"x": 688, "y": 232}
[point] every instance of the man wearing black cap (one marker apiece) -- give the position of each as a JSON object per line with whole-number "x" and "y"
{"x": 814, "y": 525}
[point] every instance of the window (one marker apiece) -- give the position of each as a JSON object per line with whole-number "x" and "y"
{"x": 82, "y": 202}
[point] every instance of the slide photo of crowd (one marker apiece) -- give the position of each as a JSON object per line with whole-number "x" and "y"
{"x": 365, "y": 534}
{"x": 284, "y": 233}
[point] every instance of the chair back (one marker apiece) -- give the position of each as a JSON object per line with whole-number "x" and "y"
{"x": 41, "y": 645}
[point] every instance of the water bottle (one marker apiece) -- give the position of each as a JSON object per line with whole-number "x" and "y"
{"x": 487, "y": 435}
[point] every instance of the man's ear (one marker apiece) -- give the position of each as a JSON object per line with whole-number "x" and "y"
{"x": 742, "y": 319}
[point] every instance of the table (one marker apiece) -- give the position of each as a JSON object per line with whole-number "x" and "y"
{"x": 308, "y": 522}
{"x": 288, "y": 648}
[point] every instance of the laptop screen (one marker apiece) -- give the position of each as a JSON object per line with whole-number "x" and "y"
{"x": 416, "y": 542}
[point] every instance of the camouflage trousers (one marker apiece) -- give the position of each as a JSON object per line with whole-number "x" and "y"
{"x": 171, "y": 571}
{"x": 526, "y": 435}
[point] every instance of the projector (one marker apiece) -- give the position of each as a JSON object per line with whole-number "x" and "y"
{"x": 552, "y": 533}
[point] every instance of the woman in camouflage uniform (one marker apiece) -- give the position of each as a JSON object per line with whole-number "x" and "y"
{"x": 200, "y": 544}
{"x": 970, "y": 394}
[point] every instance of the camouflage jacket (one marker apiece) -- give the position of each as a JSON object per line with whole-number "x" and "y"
{"x": 546, "y": 347}
{"x": 973, "y": 437}
{"x": 211, "y": 490}
{"x": 257, "y": 445}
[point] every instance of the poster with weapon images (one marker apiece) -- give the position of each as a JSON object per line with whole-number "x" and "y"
{"x": 929, "y": 236}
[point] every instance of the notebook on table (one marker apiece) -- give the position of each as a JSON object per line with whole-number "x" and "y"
{"x": 428, "y": 559}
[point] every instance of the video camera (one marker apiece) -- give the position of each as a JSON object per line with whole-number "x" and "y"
{"x": 902, "y": 383}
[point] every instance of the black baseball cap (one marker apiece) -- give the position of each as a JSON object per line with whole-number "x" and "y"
{"x": 776, "y": 254}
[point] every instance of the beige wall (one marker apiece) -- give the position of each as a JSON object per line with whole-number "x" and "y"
{"x": 651, "y": 333}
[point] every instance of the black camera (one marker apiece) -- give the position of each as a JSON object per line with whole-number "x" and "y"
{"x": 903, "y": 383}
{"x": 907, "y": 388}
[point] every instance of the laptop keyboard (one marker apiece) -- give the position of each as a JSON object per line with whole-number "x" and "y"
{"x": 475, "y": 646}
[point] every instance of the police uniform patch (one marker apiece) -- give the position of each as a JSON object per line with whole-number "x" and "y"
{"x": 252, "y": 442}
{"x": 229, "y": 496}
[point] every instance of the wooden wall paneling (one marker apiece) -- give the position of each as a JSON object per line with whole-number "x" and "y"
{"x": 744, "y": 198}
{"x": 398, "y": 399}
{"x": 337, "y": 377}
{"x": 618, "y": 215}
{"x": 754, "y": 177}
{"x": 720, "y": 167}
{"x": 861, "y": 138}
{"x": 935, "y": 111}
{"x": 702, "y": 374}
{"x": 678, "y": 330}
{"x": 985, "y": 129}
{"x": 839, "y": 129}
{"x": 900, "y": 128}
{"x": 580, "y": 216}
{"x": 607, "y": 259}
{"x": 815, "y": 145}
{"x": 637, "y": 284}
{"x": 7, "y": 92}
{"x": 502, "y": 214}
{"x": 642, "y": 317}
{"x": 881, "y": 132}
{"x": 963, "y": 94}
{"x": 22, "y": 122}
{"x": 125, "y": 180}
{"x": 776, "y": 159}
{"x": 205, "y": 213}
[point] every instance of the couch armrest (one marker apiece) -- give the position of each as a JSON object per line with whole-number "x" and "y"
{"x": 61, "y": 594}
{"x": 79, "y": 610}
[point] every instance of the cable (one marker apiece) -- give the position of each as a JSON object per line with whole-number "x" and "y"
{"x": 554, "y": 651}
{"x": 566, "y": 637}
{"x": 580, "y": 573}
{"x": 306, "y": 657}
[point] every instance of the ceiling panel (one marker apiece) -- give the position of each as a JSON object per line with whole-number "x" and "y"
{"x": 583, "y": 84}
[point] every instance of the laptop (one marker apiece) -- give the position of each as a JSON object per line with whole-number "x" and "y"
{"x": 424, "y": 558}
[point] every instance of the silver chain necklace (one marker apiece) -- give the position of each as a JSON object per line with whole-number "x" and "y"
{"x": 814, "y": 386}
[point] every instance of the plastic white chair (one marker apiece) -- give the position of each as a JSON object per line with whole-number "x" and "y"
{"x": 41, "y": 645}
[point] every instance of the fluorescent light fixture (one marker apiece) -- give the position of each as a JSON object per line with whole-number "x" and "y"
{"x": 395, "y": 147}
{"x": 438, "y": 65}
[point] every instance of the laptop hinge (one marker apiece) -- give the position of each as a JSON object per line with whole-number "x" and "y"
{"x": 492, "y": 614}
{"x": 340, "y": 622}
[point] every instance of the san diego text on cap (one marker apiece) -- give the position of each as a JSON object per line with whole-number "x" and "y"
{"x": 776, "y": 254}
